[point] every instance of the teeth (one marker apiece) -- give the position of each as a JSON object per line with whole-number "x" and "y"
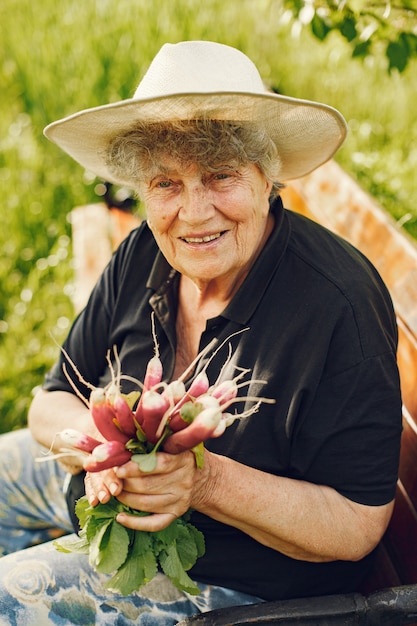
{"x": 201, "y": 239}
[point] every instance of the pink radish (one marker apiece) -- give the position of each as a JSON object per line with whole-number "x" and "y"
{"x": 201, "y": 429}
{"x": 225, "y": 391}
{"x": 108, "y": 449}
{"x": 153, "y": 375}
{"x": 189, "y": 411}
{"x": 178, "y": 422}
{"x": 104, "y": 416}
{"x": 153, "y": 378}
{"x": 154, "y": 406}
{"x": 167, "y": 417}
{"x": 124, "y": 416}
{"x": 138, "y": 415}
{"x": 106, "y": 455}
{"x": 206, "y": 401}
{"x": 198, "y": 387}
{"x": 174, "y": 391}
{"x": 79, "y": 440}
{"x": 185, "y": 416}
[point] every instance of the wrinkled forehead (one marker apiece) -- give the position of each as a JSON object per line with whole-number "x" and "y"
{"x": 167, "y": 165}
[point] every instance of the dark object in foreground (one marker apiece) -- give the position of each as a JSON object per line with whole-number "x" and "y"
{"x": 390, "y": 607}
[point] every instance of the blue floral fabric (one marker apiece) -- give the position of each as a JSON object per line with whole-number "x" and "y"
{"x": 39, "y": 585}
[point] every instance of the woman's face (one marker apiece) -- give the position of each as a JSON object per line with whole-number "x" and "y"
{"x": 209, "y": 226}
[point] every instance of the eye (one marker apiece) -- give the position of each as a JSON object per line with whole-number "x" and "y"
{"x": 164, "y": 184}
{"x": 221, "y": 176}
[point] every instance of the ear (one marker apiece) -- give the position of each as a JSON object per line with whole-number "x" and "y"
{"x": 268, "y": 186}
{"x": 268, "y": 189}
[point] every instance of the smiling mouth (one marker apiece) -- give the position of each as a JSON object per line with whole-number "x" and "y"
{"x": 202, "y": 239}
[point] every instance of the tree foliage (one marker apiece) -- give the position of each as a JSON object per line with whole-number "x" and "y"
{"x": 369, "y": 27}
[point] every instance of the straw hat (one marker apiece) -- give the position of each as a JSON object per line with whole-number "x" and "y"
{"x": 193, "y": 78}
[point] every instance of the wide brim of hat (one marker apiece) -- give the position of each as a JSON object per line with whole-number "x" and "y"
{"x": 306, "y": 133}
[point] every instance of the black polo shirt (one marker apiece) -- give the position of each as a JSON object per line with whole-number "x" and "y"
{"x": 312, "y": 319}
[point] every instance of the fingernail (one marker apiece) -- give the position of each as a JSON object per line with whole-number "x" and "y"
{"x": 101, "y": 495}
{"x": 114, "y": 487}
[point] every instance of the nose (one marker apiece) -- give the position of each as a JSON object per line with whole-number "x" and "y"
{"x": 197, "y": 204}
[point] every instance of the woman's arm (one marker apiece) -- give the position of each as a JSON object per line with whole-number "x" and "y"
{"x": 53, "y": 411}
{"x": 300, "y": 519}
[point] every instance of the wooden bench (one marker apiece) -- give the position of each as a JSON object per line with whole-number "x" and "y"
{"x": 97, "y": 230}
{"x": 330, "y": 197}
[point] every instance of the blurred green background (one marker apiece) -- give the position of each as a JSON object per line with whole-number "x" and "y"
{"x": 57, "y": 57}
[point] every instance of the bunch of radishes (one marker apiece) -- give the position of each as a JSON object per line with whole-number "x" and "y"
{"x": 163, "y": 416}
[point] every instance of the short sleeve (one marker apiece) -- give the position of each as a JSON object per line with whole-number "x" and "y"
{"x": 351, "y": 439}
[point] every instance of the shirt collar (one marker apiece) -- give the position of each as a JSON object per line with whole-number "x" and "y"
{"x": 245, "y": 302}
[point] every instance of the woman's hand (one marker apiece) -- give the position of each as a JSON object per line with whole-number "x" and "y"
{"x": 167, "y": 492}
{"x": 100, "y": 486}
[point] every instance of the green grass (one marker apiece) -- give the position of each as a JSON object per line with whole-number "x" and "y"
{"x": 59, "y": 57}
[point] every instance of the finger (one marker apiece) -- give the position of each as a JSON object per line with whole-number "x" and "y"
{"x": 99, "y": 487}
{"x": 166, "y": 463}
{"x": 175, "y": 503}
{"x": 175, "y": 485}
{"x": 147, "y": 523}
{"x": 90, "y": 491}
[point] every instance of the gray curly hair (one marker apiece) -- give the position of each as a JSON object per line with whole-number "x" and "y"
{"x": 211, "y": 144}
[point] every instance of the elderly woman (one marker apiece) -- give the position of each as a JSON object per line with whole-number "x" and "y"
{"x": 293, "y": 500}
